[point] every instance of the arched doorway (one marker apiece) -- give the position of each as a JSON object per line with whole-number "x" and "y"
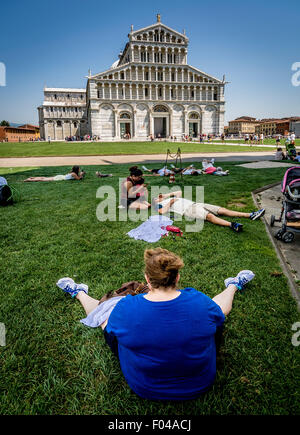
{"x": 194, "y": 124}
{"x": 125, "y": 125}
{"x": 161, "y": 120}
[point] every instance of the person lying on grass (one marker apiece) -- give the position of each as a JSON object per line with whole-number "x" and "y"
{"x": 75, "y": 174}
{"x": 134, "y": 192}
{"x": 165, "y": 339}
{"x": 189, "y": 170}
{"x": 100, "y": 175}
{"x": 173, "y": 202}
{"x": 209, "y": 168}
{"x": 163, "y": 172}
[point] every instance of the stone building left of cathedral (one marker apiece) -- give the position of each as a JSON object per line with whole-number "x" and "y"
{"x": 150, "y": 90}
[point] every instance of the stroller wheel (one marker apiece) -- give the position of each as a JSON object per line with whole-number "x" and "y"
{"x": 288, "y": 237}
{"x": 272, "y": 220}
{"x": 279, "y": 234}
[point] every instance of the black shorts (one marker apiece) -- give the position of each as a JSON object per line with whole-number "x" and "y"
{"x": 126, "y": 202}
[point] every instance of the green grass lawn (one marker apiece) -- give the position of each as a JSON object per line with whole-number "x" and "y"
{"x": 52, "y": 364}
{"x": 33, "y": 149}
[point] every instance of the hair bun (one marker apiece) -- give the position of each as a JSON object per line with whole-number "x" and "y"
{"x": 162, "y": 267}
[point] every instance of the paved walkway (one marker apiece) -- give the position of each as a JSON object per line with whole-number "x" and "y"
{"x": 266, "y": 165}
{"x": 13, "y": 162}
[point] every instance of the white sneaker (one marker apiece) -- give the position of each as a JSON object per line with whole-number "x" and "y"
{"x": 69, "y": 286}
{"x": 241, "y": 279}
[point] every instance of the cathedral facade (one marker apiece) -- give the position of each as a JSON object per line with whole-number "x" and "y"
{"x": 151, "y": 90}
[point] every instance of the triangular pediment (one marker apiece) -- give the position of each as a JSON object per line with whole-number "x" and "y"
{"x": 192, "y": 69}
{"x": 158, "y": 27}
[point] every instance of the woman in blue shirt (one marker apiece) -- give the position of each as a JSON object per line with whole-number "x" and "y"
{"x": 166, "y": 338}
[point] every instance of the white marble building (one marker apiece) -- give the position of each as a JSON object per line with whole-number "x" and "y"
{"x": 63, "y": 113}
{"x": 150, "y": 90}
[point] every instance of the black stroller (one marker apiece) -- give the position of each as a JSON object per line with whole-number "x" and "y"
{"x": 290, "y": 211}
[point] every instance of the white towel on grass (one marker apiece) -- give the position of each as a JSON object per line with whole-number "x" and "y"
{"x": 151, "y": 230}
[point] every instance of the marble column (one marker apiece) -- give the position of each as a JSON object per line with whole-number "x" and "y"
{"x": 116, "y": 123}
{"x": 171, "y": 123}
{"x": 186, "y": 130}
{"x": 150, "y": 123}
{"x": 133, "y": 133}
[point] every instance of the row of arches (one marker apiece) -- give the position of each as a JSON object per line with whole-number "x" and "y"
{"x": 160, "y": 91}
{"x": 142, "y": 120}
{"x": 195, "y": 108}
{"x": 158, "y": 73}
{"x": 158, "y": 36}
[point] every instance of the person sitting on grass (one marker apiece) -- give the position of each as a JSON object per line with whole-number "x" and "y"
{"x": 173, "y": 202}
{"x": 279, "y": 154}
{"x": 75, "y": 174}
{"x": 165, "y": 339}
{"x": 297, "y": 158}
{"x": 134, "y": 192}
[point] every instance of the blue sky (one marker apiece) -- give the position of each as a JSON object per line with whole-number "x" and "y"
{"x": 54, "y": 43}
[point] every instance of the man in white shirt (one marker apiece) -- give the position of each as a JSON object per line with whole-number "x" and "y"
{"x": 175, "y": 203}
{"x": 261, "y": 138}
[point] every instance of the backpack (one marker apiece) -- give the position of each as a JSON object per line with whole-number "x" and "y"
{"x": 129, "y": 288}
{"x": 6, "y": 196}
